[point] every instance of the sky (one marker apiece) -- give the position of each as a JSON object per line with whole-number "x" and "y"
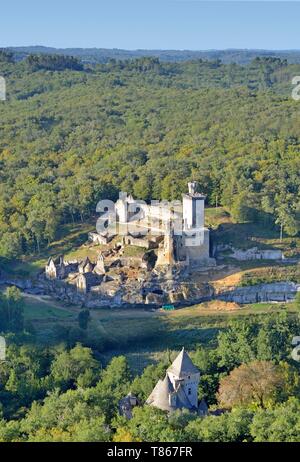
{"x": 151, "y": 24}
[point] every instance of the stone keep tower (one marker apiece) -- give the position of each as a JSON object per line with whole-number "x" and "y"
{"x": 165, "y": 255}
{"x": 193, "y": 208}
{"x": 195, "y": 242}
{"x": 183, "y": 373}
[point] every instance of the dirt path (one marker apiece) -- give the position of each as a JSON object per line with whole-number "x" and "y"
{"x": 40, "y": 298}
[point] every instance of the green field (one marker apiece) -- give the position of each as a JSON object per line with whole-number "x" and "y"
{"x": 44, "y": 310}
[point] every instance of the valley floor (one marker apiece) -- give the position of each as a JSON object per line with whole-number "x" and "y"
{"x": 143, "y": 336}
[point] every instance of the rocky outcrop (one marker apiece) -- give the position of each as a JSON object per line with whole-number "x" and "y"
{"x": 153, "y": 298}
{"x": 273, "y": 292}
{"x": 171, "y": 287}
{"x": 153, "y": 288}
{"x": 22, "y": 284}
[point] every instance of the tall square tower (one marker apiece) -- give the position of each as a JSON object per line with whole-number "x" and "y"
{"x": 193, "y": 208}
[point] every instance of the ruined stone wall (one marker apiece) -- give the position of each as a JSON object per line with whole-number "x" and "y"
{"x": 253, "y": 253}
{"x": 273, "y": 292}
{"x": 139, "y": 242}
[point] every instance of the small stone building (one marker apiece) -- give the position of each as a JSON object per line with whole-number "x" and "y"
{"x": 99, "y": 239}
{"x": 179, "y": 388}
{"x": 100, "y": 267}
{"x": 86, "y": 266}
{"x": 127, "y": 404}
{"x": 85, "y": 281}
{"x": 140, "y": 242}
{"x": 55, "y": 268}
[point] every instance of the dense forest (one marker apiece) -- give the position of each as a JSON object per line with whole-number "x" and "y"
{"x": 103, "y": 55}
{"x": 65, "y": 392}
{"x": 71, "y": 134}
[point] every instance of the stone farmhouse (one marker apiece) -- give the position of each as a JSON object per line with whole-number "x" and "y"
{"x": 55, "y": 268}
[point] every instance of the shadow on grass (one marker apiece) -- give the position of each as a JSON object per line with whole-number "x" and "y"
{"x": 245, "y": 235}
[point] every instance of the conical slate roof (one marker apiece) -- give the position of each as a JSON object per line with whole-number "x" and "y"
{"x": 85, "y": 261}
{"x": 160, "y": 394}
{"x": 56, "y": 260}
{"x": 182, "y": 365}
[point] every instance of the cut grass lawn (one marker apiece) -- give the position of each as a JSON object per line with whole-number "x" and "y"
{"x": 216, "y": 216}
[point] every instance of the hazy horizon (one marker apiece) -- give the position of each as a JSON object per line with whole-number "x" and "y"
{"x": 152, "y": 49}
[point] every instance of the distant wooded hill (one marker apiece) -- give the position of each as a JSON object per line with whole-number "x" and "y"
{"x": 103, "y": 55}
